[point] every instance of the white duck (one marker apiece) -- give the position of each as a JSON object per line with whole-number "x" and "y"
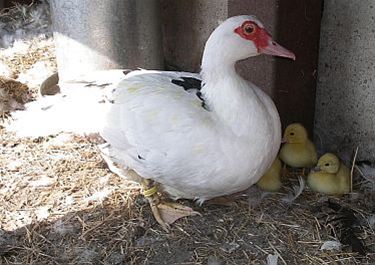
{"x": 198, "y": 136}
{"x": 199, "y": 146}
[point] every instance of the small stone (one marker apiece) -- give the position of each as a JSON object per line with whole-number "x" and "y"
{"x": 50, "y": 85}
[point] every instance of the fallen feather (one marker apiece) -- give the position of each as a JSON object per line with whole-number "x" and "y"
{"x": 42, "y": 213}
{"x": 42, "y": 182}
{"x": 297, "y": 191}
{"x": 99, "y": 195}
{"x": 272, "y": 259}
{"x": 331, "y": 245}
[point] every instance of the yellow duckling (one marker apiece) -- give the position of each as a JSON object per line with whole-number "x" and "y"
{"x": 332, "y": 177}
{"x": 270, "y": 181}
{"x": 298, "y": 150}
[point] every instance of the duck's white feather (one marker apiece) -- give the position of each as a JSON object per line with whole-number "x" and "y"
{"x": 164, "y": 133}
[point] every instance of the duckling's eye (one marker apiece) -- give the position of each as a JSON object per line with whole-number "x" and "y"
{"x": 291, "y": 134}
{"x": 326, "y": 164}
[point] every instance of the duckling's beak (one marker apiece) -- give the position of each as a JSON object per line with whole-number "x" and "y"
{"x": 315, "y": 169}
{"x": 273, "y": 48}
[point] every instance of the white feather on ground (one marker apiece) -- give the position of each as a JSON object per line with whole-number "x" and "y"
{"x": 272, "y": 259}
{"x": 331, "y": 245}
{"x": 297, "y": 191}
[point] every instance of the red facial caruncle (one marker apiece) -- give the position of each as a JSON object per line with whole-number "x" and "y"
{"x": 250, "y": 30}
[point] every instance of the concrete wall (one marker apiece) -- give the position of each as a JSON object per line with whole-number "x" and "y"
{"x": 104, "y": 34}
{"x": 345, "y": 105}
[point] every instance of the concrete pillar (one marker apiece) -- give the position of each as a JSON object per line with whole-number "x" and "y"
{"x": 105, "y": 34}
{"x": 345, "y": 105}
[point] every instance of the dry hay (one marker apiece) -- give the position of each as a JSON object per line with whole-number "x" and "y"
{"x": 24, "y": 55}
{"x": 13, "y": 96}
{"x": 60, "y": 205}
{"x": 26, "y": 40}
{"x": 27, "y": 53}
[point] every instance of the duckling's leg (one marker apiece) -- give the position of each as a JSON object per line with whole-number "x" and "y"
{"x": 3, "y": 116}
{"x": 222, "y": 201}
{"x": 284, "y": 171}
{"x": 305, "y": 171}
{"x": 165, "y": 213}
{"x": 227, "y": 200}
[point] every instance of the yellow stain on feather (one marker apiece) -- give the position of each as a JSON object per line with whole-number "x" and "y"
{"x": 175, "y": 119}
{"x": 177, "y": 95}
{"x": 206, "y": 120}
{"x": 159, "y": 91}
{"x": 198, "y": 148}
{"x": 134, "y": 88}
{"x": 151, "y": 115}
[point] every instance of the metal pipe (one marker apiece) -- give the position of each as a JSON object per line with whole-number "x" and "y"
{"x": 106, "y": 34}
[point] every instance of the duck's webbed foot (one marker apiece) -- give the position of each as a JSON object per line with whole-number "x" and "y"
{"x": 165, "y": 213}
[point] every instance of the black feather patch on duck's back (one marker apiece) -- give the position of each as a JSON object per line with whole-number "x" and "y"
{"x": 191, "y": 84}
{"x": 188, "y": 83}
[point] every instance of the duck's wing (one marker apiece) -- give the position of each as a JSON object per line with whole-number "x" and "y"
{"x": 156, "y": 122}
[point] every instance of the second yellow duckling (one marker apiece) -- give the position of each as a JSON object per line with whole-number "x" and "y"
{"x": 298, "y": 150}
{"x": 270, "y": 181}
{"x": 332, "y": 177}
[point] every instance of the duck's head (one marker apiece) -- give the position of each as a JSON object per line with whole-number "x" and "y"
{"x": 328, "y": 163}
{"x": 295, "y": 133}
{"x": 241, "y": 37}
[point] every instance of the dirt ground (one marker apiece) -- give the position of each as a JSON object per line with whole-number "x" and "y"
{"x": 59, "y": 204}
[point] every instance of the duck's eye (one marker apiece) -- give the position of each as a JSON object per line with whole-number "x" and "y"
{"x": 326, "y": 164}
{"x": 291, "y": 134}
{"x": 248, "y": 29}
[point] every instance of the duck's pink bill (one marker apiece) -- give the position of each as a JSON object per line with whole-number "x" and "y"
{"x": 276, "y": 49}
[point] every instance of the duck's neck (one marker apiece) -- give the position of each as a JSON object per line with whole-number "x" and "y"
{"x": 231, "y": 98}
